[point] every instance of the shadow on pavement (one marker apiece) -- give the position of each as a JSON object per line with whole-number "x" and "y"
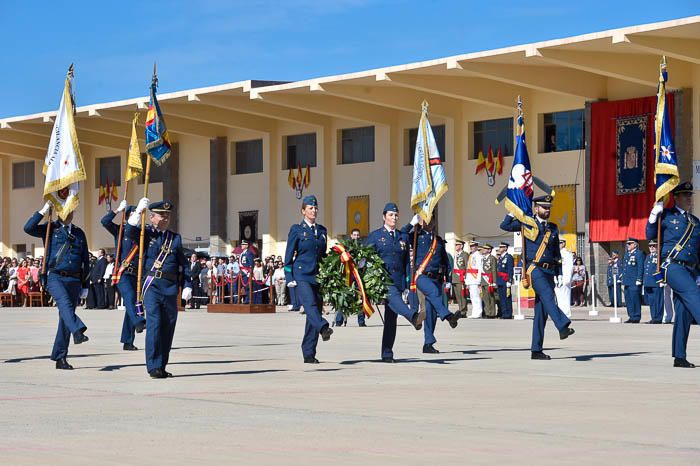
{"x": 588, "y": 357}
{"x": 116, "y": 367}
{"x": 410, "y": 360}
{"x": 71, "y": 356}
{"x": 251, "y": 372}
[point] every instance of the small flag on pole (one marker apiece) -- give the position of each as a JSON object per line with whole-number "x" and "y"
{"x": 666, "y": 173}
{"x": 134, "y": 167}
{"x": 158, "y": 143}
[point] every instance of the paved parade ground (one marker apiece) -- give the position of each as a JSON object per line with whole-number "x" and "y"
{"x": 241, "y": 395}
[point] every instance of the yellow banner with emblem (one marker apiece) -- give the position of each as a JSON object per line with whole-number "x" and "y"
{"x": 564, "y": 214}
{"x": 358, "y": 214}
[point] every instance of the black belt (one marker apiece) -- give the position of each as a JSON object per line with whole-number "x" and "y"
{"x": 690, "y": 265}
{"x": 544, "y": 265}
{"x": 63, "y": 273}
{"x": 129, "y": 271}
{"x": 159, "y": 274}
{"x": 434, "y": 276}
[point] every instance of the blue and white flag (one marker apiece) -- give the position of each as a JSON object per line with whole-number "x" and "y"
{"x": 666, "y": 174}
{"x": 429, "y": 181}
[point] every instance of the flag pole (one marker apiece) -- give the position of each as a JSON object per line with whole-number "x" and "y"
{"x": 47, "y": 240}
{"x": 143, "y": 228}
{"x": 656, "y": 149}
{"x": 121, "y": 233}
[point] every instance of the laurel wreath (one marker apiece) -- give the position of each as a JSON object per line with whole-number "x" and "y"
{"x": 334, "y": 287}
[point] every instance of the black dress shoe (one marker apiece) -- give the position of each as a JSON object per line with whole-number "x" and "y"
{"x": 540, "y": 355}
{"x": 506, "y": 318}
{"x": 654, "y": 322}
{"x": 130, "y": 347}
{"x": 453, "y": 319}
{"x": 79, "y": 338}
{"x": 140, "y": 326}
{"x": 632, "y": 321}
{"x": 430, "y": 349}
{"x": 362, "y": 325}
{"x": 389, "y": 360}
{"x": 63, "y": 364}
{"x": 167, "y": 374}
{"x": 566, "y": 333}
{"x": 677, "y": 362}
{"x": 311, "y": 360}
{"x": 417, "y": 321}
{"x": 157, "y": 374}
{"x": 326, "y": 333}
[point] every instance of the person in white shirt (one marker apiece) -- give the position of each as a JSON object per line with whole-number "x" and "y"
{"x": 563, "y": 288}
{"x": 107, "y": 279}
{"x": 280, "y": 283}
{"x": 472, "y": 279}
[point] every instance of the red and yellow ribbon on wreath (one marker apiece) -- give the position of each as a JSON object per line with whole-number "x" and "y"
{"x": 350, "y": 272}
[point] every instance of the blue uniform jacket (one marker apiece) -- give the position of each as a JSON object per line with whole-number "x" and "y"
{"x": 304, "y": 252}
{"x": 76, "y": 258}
{"x": 505, "y": 265}
{"x": 175, "y": 262}
{"x": 247, "y": 258}
{"x": 614, "y": 268}
{"x": 632, "y": 267}
{"x": 673, "y": 225}
{"x": 439, "y": 264}
{"x": 394, "y": 253}
{"x": 551, "y": 255}
{"x": 108, "y": 222}
{"x": 649, "y": 270}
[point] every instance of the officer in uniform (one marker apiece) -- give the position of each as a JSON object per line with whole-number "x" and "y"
{"x": 126, "y": 269}
{"x": 68, "y": 267}
{"x": 458, "y": 274}
{"x": 614, "y": 279}
{"x": 488, "y": 281}
{"x": 653, "y": 291}
{"x": 432, "y": 271}
{"x": 306, "y": 245}
{"x": 473, "y": 279}
{"x": 632, "y": 274}
{"x": 504, "y": 280}
{"x": 392, "y": 246}
{"x": 544, "y": 270}
{"x": 680, "y": 246}
{"x": 166, "y": 269}
{"x": 247, "y": 262}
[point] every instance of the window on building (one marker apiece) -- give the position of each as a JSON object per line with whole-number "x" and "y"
{"x": 496, "y": 134}
{"x": 357, "y": 145}
{"x": 22, "y": 175}
{"x": 109, "y": 170}
{"x": 438, "y": 132}
{"x": 20, "y": 250}
{"x": 301, "y": 150}
{"x": 248, "y": 157}
{"x": 564, "y": 131}
{"x": 155, "y": 175}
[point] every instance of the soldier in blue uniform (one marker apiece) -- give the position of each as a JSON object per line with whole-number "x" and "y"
{"x": 653, "y": 291}
{"x": 432, "y": 273}
{"x": 127, "y": 282}
{"x": 306, "y": 245}
{"x": 68, "y": 267}
{"x": 166, "y": 268}
{"x": 632, "y": 274}
{"x": 680, "y": 247}
{"x": 504, "y": 280}
{"x": 247, "y": 261}
{"x": 545, "y": 272}
{"x": 614, "y": 281}
{"x": 392, "y": 246}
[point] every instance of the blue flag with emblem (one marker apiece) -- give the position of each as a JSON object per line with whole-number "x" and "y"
{"x": 429, "y": 181}
{"x": 666, "y": 174}
{"x": 158, "y": 143}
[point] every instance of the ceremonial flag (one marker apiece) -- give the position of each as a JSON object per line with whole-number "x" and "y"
{"x": 489, "y": 160}
{"x": 520, "y": 189}
{"x": 157, "y": 138}
{"x": 134, "y": 167}
{"x": 101, "y": 195}
{"x": 499, "y": 162}
{"x": 290, "y": 178}
{"x": 480, "y": 162}
{"x": 429, "y": 181}
{"x": 115, "y": 191}
{"x": 63, "y": 166}
{"x": 666, "y": 174}
{"x": 307, "y": 176}
{"x": 299, "y": 178}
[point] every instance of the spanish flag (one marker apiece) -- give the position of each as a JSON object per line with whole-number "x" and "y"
{"x": 480, "y": 163}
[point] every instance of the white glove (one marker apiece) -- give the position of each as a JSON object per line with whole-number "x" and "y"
{"x": 292, "y": 284}
{"x": 655, "y": 211}
{"x": 133, "y": 219}
{"x": 662, "y": 284}
{"x": 142, "y": 205}
{"x": 697, "y": 280}
{"x": 83, "y": 293}
{"x": 187, "y": 293}
{"x": 559, "y": 281}
{"x": 45, "y": 210}
{"x": 122, "y": 206}
{"x": 448, "y": 286}
{"x": 509, "y": 284}
{"x": 638, "y": 282}
{"x": 415, "y": 220}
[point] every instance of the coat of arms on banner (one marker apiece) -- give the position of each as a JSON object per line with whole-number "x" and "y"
{"x": 631, "y": 153}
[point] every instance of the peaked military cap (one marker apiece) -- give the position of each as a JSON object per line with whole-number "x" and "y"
{"x": 544, "y": 201}
{"x": 161, "y": 206}
{"x": 504, "y": 245}
{"x": 632, "y": 240}
{"x": 487, "y": 246}
{"x": 243, "y": 241}
{"x": 686, "y": 187}
{"x": 390, "y": 207}
{"x": 653, "y": 243}
{"x": 473, "y": 243}
{"x": 310, "y": 200}
{"x": 459, "y": 241}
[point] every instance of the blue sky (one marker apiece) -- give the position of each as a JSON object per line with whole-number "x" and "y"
{"x": 206, "y": 42}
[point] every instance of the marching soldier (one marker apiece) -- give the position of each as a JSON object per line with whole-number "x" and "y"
{"x": 68, "y": 267}
{"x": 632, "y": 274}
{"x": 652, "y": 290}
{"x": 167, "y": 268}
{"x": 126, "y": 276}
{"x": 504, "y": 280}
{"x": 475, "y": 263}
{"x": 680, "y": 248}
{"x": 392, "y": 246}
{"x": 544, "y": 269}
{"x": 459, "y": 273}
{"x": 488, "y": 281}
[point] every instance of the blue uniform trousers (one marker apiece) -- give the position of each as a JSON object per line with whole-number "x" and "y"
{"x": 687, "y": 302}
{"x": 545, "y": 306}
{"x": 506, "y": 302}
{"x": 309, "y": 297}
{"x": 434, "y": 306}
{"x": 655, "y": 299}
{"x": 394, "y": 307}
{"x": 611, "y": 293}
{"x": 127, "y": 290}
{"x": 340, "y": 318}
{"x": 633, "y": 301}
{"x": 293, "y": 299}
{"x": 65, "y": 292}
{"x": 161, "y": 317}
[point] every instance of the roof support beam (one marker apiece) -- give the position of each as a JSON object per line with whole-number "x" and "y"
{"x": 175, "y": 124}
{"x": 24, "y": 139}
{"x": 103, "y": 126}
{"x": 15, "y": 150}
{"x": 681, "y": 49}
{"x": 220, "y": 117}
{"x": 256, "y": 107}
